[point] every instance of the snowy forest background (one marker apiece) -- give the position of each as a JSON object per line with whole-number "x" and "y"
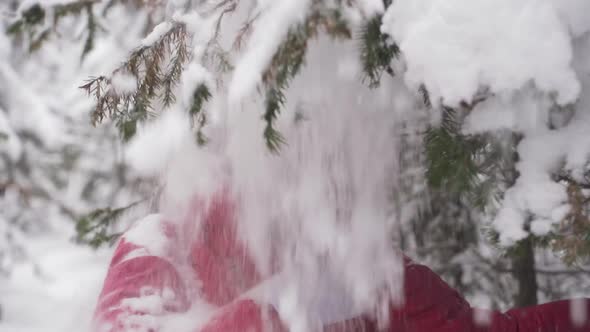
{"x": 487, "y": 134}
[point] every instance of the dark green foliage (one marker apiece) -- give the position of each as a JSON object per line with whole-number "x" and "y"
{"x": 127, "y": 123}
{"x": 274, "y": 101}
{"x": 288, "y": 61}
{"x": 451, "y": 156}
{"x": 200, "y": 97}
{"x": 285, "y": 65}
{"x": 127, "y": 129}
{"x": 468, "y": 165}
{"x": 91, "y": 25}
{"x": 33, "y": 17}
{"x": 155, "y": 78}
{"x": 171, "y": 78}
{"x": 425, "y": 96}
{"x": 95, "y": 229}
{"x": 376, "y": 52}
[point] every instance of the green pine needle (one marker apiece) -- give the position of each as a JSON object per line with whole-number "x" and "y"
{"x": 95, "y": 228}
{"x": 200, "y": 97}
{"x": 376, "y": 52}
{"x": 451, "y": 156}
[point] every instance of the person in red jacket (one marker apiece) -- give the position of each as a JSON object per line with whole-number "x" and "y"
{"x": 160, "y": 274}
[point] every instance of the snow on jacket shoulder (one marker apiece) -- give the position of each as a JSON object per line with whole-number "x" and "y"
{"x": 145, "y": 283}
{"x": 141, "y": 283}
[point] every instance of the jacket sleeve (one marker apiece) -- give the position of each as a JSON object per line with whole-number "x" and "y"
{"x": 141, "y": 282}
{"x": 432, "y": 305}
{"x": 567, "y": 315}
{"x": 429, "y": 304}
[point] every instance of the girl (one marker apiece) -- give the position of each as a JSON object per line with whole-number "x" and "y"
{"x": 146, "y": 286}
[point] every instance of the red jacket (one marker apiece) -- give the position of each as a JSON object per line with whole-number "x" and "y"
{"x": 150, "y": 278}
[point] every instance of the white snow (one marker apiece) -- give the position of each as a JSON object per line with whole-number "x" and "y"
{"x": 542, "y": 152}
{"x": 578, "y": 311}
{"x": 194, "y": 75}
{"x": 371, "y": 7}
{"x": 157, "y": 33}
{"x": 9, "y": 141}
{"x": 523, "y": 111}
{"x": 269, "y": 30}
{"x": 542, "y": 227}
{"x": 575, "y": 15}
{"x": 55, "y": 292}
{"x": 25, "y": 4}
{"x": 148, "y": 233}
{"x": 124, "y": 84}
{"x": 322, "y": 195}
{"x": 525, "y": 107}
{"x": 324, "y": 202}
{"x": 49, "y": 127}
{"x": 48, "y": 283}
{"x": 456, "y": 47}
{"x": 200, "y": 28}
{"x": 153, "y": 146}
{"x": 148, "y": 304}
{"x": 482, "y": 312}
{"x": 4, "y": 47}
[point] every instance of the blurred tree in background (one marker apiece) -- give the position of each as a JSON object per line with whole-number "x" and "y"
{"x": 55, "y": 165}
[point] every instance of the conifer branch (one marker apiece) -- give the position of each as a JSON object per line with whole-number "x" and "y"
{"x": 95, "y": 228}
{"x": 156, "y": 73}
{"x": 376, "y": 52}
{"x": 200, "y": 96}
{"x": 285, "y": 65}
{"x": 288, "y": 61}
{"x": 34, "y": 17}
{"x": 91, "y": 26}
{"x": 572, "y": 236}
{"x": 458, "y": 163}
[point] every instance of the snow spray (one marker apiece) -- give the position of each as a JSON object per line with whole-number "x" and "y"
{"x": 322, "y": 206}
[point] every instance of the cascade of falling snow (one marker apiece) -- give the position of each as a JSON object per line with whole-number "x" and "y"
{"x": 323, "y": 206}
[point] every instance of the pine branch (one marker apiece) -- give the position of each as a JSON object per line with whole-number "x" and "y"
{"x": 156, "y": 78}
{"x": 170, "y": 80}
{"x": 376, "y": 52}
{"x": 572, "y": 237}
{"x": 288, "y": 61}
{"x": 331, "y": 21}
{"x": 95, "y": 228}
{"x": 285, "y": 65}
{"x": 275, "y": 99}
{"x": 91, "y": 26}
{"x": 200, "y": 96}
{"x": 451, "y": 156}
{"x": 425, "y": 96}
{"x": 33, "y": 18}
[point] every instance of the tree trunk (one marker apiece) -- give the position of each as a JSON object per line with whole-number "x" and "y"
{"x": 523, "y": 260}
{"x": 523, "y": 264}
